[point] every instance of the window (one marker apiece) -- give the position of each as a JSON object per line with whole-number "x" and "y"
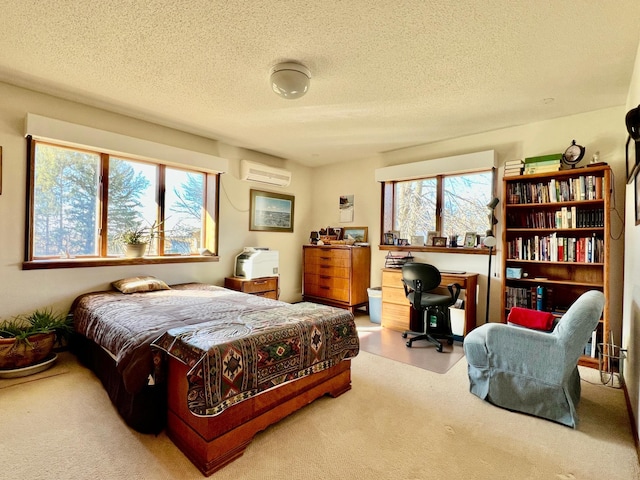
{"x": 81, "y": 201}
{"x": 448, "y": 204}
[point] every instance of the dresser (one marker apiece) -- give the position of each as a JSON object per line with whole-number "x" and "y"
{"x": 263, "y": 287}
{"x": 397, "y": 313}
{"x": 337, "y": 275}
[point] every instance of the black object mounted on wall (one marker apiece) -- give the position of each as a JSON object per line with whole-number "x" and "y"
{"x": 632, "y": 121}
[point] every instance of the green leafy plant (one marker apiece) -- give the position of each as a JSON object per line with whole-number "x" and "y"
{"x": 40, "y": 321}
{"x": 140, "y": 234}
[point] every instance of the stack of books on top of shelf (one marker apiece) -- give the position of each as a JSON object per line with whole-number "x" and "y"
{"x": 513, "y": 167}
{"x": 542, "y": 164}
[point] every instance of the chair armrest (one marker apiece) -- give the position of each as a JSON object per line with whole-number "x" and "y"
{"x": 526, "y": 352}
{"x": 454, "y": 290}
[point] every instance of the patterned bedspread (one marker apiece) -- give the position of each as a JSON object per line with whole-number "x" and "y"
{"x": 237, "y": 345}
{"x": 235, "y": 359}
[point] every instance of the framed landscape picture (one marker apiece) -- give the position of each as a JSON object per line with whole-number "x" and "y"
{"x": 359, "y": 234}
{"x": 271, "y": 212}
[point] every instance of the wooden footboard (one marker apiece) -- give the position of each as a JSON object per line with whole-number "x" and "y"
{"x": 212, "y": 442}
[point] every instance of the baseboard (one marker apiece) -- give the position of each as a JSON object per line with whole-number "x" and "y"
{"x": 633, "y": 421}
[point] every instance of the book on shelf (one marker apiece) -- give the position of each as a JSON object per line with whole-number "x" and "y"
{"x": 543, "y": 158}
{"x": 534, "y": 168}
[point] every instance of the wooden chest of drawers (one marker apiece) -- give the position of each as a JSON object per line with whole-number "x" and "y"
{"x": 337, "y": 275}
{"x": 263, "y": 287}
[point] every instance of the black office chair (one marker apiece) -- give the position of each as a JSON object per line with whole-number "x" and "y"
{"x": 420, "y": 279}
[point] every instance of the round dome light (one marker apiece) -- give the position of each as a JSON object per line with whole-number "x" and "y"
{"x": 290, "y": 80}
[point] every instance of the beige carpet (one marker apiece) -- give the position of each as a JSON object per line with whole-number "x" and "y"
{"x": 397, "y": 422}
{"x": 390, "y": 344}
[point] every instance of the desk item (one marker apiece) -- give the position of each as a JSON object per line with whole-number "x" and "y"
{"x": 397, "y": 312}
{"x": 256, "y": 262}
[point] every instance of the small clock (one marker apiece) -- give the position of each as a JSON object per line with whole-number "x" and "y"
{"x": 573, "y": 154}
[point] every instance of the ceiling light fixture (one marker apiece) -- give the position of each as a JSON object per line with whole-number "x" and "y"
{"x": 290, "y": 80}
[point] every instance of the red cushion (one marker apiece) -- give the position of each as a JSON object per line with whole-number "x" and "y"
{"x": 535, "y": 319}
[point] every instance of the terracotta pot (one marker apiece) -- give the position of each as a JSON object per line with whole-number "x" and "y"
{"x": 14, "y": 354}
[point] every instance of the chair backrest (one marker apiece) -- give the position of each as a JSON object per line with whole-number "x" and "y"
{"x": 575, "y": 327}
{"x": 420, "y": 277}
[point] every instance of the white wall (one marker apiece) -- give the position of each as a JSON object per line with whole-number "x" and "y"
{"x": 597, "y": 131}
{"x": 22, "y": 291}
{"x": 631, "y": 317}
{"x": 316, "y": 194}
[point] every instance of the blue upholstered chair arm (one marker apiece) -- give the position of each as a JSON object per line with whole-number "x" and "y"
{"x": 506, "y": 347}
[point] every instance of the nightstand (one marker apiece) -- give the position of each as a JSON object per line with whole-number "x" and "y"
{"x": 263, "y": 287}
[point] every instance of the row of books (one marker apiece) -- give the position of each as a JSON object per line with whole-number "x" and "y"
{"x": 552, "y": 248}
{"x": 583, "y": 187}
{"x": 531, "y": 165}
{"x": 537, "y": 298}
{"x": 542, "y": 164}
{"x": 566, "y": 217}
{"x": 591, "y": 348}
{"x": 513, "y": 167}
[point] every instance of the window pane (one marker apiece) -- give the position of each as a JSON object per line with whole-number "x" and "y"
{"x": 465, "y": 204}
{"x": 65, "y": 200}
{"x": 132, "y": 200}
{"x": 415, "y": 207}
{"x": 184, "y": 202}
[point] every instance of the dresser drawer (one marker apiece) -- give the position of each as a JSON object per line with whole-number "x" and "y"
{"x": 327, "y": 270}
{"x": 325, "y": 291}
{"x": 254, "y": 286}
{"x": 327, "y": 258}
{"x": 394, "y": 295}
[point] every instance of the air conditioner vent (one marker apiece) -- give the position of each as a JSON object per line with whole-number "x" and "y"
{"x": 256, "y": 172}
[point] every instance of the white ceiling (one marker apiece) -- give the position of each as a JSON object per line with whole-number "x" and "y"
{"x": 385, "y": 74}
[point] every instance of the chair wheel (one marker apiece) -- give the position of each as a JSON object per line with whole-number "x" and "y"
{"x": 439, "y": 348}
{"x": 450, "y": 341}
{"x": 404, "y": 334}
{"x": 409, "y": 344}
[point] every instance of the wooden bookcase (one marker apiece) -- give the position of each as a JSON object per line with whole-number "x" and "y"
{"x": 555, "y": 241}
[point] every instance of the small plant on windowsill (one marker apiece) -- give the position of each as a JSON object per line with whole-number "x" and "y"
{"x": 136, "y": 239}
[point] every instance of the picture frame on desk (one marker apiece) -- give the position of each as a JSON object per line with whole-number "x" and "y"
{"x": 359, "y": 234}
{"x": 431, "y": 234}
{"x": 470, "y": 239}
{"x": 388, "y": 238}
{"x": 439, "y": 241}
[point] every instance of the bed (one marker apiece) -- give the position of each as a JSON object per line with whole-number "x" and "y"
{"x": 211, "y": 365}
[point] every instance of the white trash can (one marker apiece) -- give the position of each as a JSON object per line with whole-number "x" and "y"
{"x": 375, "y": 303}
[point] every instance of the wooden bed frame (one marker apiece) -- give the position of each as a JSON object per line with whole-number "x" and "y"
{"x": 213, "y": 442}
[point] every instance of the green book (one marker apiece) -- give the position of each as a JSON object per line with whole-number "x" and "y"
{"x": 544, "y": 163}
{"x": 554, "y": 157}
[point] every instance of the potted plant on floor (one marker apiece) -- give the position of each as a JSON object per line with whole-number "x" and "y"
{"x": 29, "y": 339}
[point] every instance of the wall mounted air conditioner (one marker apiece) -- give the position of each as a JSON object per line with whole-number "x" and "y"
{"x": 256, "y": 172}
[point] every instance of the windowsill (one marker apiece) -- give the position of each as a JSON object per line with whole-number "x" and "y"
{"x": 464, "y": 250}
{"x": 115, "y": 261}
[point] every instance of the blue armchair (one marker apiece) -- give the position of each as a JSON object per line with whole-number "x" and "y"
{"x": 532, "y": 371}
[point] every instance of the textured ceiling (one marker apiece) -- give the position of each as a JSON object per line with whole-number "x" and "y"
{"x": 385, "y": 74}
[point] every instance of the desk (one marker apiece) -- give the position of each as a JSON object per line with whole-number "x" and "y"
{"x": 397, "y": 311}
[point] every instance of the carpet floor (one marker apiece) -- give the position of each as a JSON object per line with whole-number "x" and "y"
{"x": 390, "y": 344}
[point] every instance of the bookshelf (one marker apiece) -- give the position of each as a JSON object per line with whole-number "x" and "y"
{"x": 555, "y": 241}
